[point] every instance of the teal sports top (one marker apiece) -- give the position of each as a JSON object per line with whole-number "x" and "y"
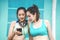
{"x": 41, "y": 31}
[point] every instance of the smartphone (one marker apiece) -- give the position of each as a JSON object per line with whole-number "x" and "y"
{"x": 19, "y": 29}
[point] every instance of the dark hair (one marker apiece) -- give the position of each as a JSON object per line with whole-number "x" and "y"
{"x": 34, "y": 9}
{"x": 20, "y": 8}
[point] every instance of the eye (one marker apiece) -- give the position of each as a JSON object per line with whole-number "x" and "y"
{"x": 23, "y": 14}
{"x": 19, "y": 14}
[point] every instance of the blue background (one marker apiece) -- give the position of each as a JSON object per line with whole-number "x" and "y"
{"x": 8, "y": 13}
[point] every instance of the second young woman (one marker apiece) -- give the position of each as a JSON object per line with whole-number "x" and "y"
{"x": 39, "y": 28}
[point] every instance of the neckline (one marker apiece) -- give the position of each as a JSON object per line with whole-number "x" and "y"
{"x": 38, "y": 27}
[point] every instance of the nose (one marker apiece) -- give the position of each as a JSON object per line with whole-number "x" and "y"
{"x": 21, "y": 16}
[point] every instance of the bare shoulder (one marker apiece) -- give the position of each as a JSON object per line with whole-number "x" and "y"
{"x": 47, "y": 23}
{"x": 13, "y": 22}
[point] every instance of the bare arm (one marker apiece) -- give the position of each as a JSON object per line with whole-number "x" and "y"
{"x": 11, "y": 33}
{"x": 49, "y": 30}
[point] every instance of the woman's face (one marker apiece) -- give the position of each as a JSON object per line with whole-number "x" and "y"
{"x": 21, "y": 15}
{"x": 30, "y": 16}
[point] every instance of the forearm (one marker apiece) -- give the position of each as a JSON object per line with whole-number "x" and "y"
{"x": 51, "y": 38}
{"x": 10, "y": 36}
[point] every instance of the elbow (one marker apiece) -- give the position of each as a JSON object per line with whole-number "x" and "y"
{"x": 9, "y": 38}
{"x": 51, "y": 38}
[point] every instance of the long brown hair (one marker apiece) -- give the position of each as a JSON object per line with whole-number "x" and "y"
{"x": 34, "y": 9}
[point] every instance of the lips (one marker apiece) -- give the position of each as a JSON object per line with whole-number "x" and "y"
{"x": 22, "y": 18}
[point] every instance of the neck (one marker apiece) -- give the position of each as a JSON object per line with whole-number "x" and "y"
{"x": 34, "y": 21}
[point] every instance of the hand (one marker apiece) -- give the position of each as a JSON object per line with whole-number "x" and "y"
{"x": 18, "y": 32}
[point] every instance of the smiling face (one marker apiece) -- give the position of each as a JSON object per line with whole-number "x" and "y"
{"x": 21, "y": 15}
{"x": 31, "y": 17}
{"x": 33, "y": 13}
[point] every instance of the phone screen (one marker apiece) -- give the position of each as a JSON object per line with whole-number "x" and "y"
{"x": 19, "y": 29}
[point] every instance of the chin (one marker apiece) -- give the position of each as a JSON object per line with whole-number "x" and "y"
{"x": 21, "y": 20}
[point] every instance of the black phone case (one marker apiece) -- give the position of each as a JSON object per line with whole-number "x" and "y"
{"x": 19, "y": 29}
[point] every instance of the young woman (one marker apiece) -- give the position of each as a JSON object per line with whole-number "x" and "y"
{"x": 19, "y": 29}
{"x": 39, "y": 28}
